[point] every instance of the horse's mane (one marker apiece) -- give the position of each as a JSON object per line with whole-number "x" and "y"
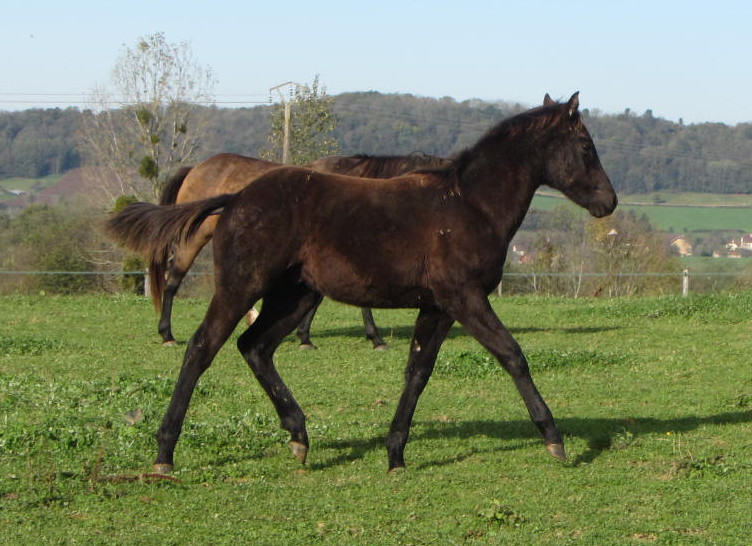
{"x": 388, "y": 166}
{"x": 529, "y": 123}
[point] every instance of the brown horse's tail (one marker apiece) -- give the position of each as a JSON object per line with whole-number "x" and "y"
{"x": 152, "y": 230}
{"x": 170, "y": 191}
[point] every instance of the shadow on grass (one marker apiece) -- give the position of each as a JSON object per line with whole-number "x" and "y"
{"x": 599, "y": 433}
{"x": 406, "y": 332}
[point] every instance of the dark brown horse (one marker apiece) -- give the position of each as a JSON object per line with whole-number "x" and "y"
{"x": 230, "y": 173}
{"x": 295, "y": 234}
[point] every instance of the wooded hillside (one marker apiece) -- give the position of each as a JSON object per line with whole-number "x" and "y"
{"x": 642, "y": 153}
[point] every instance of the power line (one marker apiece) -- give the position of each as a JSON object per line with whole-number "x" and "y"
{"x": 81, "y": 99}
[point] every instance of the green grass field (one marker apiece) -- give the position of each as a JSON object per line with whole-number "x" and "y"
{"x": 653, "y": 396}
{"x": 687, "y": 212}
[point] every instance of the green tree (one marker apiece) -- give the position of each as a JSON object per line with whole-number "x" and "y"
{"x": 624, "y": 246}
{"x": 55, "y": 242}
{"x": 311, "y": 124}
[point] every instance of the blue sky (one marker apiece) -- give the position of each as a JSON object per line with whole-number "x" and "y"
{"x": 681, "y": 59}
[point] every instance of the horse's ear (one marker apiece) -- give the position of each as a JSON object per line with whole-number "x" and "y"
{"x": 573, "y": 104}
{"x": 548, "y": 101}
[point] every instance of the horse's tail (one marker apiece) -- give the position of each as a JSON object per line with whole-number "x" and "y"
{"x": 152, "y": 230}
{"x": 170, "y": 191}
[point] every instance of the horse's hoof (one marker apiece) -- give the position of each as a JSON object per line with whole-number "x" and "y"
{"x": 396, "y": 470}
{"x": 557, "y": 451}
{"x": 380, "y": 347}
{"x": 308, "y": 346}
{"x": 162, "y": 468}
{"x": 169, "y": 343}
{"x": 300, "y": 451}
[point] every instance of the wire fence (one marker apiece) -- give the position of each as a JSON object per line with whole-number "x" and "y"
{"x": 575, "y": 284}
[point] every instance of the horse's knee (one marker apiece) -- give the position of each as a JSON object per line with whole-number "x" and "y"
{"x": 515, "y": 363}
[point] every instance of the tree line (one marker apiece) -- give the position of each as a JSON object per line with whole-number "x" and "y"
{"x": 642, "y": 153}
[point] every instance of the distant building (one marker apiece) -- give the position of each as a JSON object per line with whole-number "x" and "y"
{"x": 740, "y": 247}
{"x": 518, "y": 255}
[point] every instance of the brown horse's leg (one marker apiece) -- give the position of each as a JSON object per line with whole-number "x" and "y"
{"x": 475, "y": 314}
{"x": 183, "y": 257}
{"x": 372, "y": 332}
{"x": 174, "y": 278}
{"x": 282, "y": 310}
{"x": 221, "y": 318}
{"x": 304, "y": 329}
{"x": 431, "y": 329}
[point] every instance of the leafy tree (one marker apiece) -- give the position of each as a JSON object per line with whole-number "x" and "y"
{"x": 36, "y": 143}
{"x": 155, "y": 126}
{"x": 619, "y": 249}
{"x": 311, "y": 124}
{"x": 623, "y": 244}
{"x": 52, "y": 240}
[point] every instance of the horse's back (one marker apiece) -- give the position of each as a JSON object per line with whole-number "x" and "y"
{"x": 360, "y": 241}
{"x": 222, "y": 173}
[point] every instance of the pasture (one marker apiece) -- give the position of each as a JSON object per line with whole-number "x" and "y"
{"x": 25, "y": 184}
{"x": 684, "y": 212}
{"x": 653, "y": 397}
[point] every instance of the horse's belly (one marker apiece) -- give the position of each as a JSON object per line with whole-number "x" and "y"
{"x": 357, "y": 284}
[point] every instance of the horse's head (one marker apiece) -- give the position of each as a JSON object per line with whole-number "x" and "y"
{"x": 572, "y": 164}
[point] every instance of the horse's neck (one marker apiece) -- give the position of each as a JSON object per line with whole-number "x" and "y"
{"x": 500, "y": 181}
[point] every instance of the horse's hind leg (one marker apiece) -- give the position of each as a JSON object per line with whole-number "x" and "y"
{"x": 283, "y": 308}
{"x": 174, "y": 278}
{"x": 475, "y": 314}
{"x": 219, "y": 322}
{"x": 372, "y": 332}
{"x": 431, "y": 329}
{"x": 304, "y": 328}
{"x": 184, "y": 255}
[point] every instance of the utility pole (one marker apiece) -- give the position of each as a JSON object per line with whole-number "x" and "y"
{"x": 287, "y": 105}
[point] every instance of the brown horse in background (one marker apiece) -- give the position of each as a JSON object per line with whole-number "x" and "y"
{"x": 230, "y": 173}
{"x": 295, "y": 234}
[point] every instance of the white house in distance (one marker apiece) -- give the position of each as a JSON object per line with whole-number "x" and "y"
{"x": 739, "y": 247}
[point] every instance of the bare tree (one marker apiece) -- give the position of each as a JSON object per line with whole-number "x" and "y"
{"x": 149, "y": 121}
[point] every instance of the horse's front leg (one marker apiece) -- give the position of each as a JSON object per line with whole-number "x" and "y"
{"x": 431, "y": 329}
{"x": 372, "y": 331}
{"x": 475, "y": 314}
{"x": 216, "y": 327}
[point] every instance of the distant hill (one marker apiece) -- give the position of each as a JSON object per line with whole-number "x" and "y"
{"x": 73, "y": 188}
{"x": 642, "y": 153}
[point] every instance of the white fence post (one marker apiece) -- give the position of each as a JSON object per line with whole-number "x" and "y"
{"x": 685, "y": 283}
{"x": 147, "y": 284}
